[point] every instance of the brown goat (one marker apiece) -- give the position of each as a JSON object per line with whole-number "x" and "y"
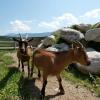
{"x": 53, "y": 63}
{"x": 24, "y": 53}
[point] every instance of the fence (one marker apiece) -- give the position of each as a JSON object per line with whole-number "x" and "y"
{"x": 7, "y": 45}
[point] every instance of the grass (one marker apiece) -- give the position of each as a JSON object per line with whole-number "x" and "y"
{"x": 91, "y": 82}
{"x": 8, "y": 78}
{"x": 13, "y": 86}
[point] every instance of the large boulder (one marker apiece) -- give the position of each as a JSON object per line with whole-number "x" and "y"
{"x": 93, "y": 35}
{"x": 69, "y": 35}
{"x": 94, "y": 67}
{"x": 48, "y": 41}
{"x": 97, "y": 25}
{"x": 65, "y": 35}
{"x": 58, "y": 47}
{"x": 81, "y": 27}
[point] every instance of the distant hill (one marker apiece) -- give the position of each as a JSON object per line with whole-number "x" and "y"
{"x": 9, "y": 36}
{"x": 29, "y": 34}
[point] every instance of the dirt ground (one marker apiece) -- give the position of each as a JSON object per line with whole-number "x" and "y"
{"x": 72, "y": 92}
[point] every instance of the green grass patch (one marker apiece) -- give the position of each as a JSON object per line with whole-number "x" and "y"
{"x": 91, "y": 82}
{"x": 9, "y": 78}
{"x": 13, "y": 86}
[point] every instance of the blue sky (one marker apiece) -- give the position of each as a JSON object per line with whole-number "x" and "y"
{"x": 45, "y": 15}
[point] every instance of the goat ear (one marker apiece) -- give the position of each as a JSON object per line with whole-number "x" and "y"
{"x": 77, "y": 44}
{"x": 30, "y": 40}
{"x": 74, "y": 44}
{"x": 15, "y": 39}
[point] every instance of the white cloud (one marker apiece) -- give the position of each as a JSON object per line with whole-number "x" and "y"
{"x": 90, "y": 17}
{"x": 54, "y": 23}
{"x": 19, "y": 26}
{"x": 68, "y": 19}
{"x": 92, "y": 14}
{"x": 60, "y": 21}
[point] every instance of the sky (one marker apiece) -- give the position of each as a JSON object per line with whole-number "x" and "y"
{"x": 37, "y": 16}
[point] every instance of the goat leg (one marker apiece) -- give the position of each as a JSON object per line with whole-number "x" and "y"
{"x": 32, "y": 67}
{"x": 18, "y": 63}
{"x": 31, "y": 73}
{"x": 43, "y": 90}
{"x": 22, "y": 66}
{"x": 28, "y": 70}
{"x": 39, "y": 74}
{"x": 60, "y": 85}
{"x": 43, "y": 87}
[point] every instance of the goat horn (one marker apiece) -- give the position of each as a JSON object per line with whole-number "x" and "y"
{"x": 74, "y": 44}
{"x": 20, "y": 37}
{"x": 26, "y": 36}
{"x": 79, "y": 43}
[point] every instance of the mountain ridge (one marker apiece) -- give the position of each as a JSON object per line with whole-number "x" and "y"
{"x": 44, "y": 34}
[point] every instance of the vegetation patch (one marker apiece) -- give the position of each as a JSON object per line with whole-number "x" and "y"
{"x": 92, "y": 82}
{"x": 9, "y": 78}
{"x": 13, "y": 86}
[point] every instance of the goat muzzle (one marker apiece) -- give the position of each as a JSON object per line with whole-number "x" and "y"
{"x": 23, "y": 51}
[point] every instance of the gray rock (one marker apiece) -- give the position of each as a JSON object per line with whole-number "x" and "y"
{"x": 82, "y": 27}
{"x": 48, "y": 41}
{"x": 97, "y": 25}
{"x": 93, "y": 35}
{"x": 69, "y": 34}
{"x": 94, "y": 67}
{"x": 58, "y": 47}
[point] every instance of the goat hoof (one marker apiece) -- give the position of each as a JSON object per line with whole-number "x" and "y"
{"x": 62, "y": 92}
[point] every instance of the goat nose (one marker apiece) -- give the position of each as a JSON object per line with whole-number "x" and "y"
{"x": 88, "y": 63}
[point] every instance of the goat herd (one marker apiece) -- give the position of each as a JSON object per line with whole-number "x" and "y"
{"x": 49, "y": 62}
